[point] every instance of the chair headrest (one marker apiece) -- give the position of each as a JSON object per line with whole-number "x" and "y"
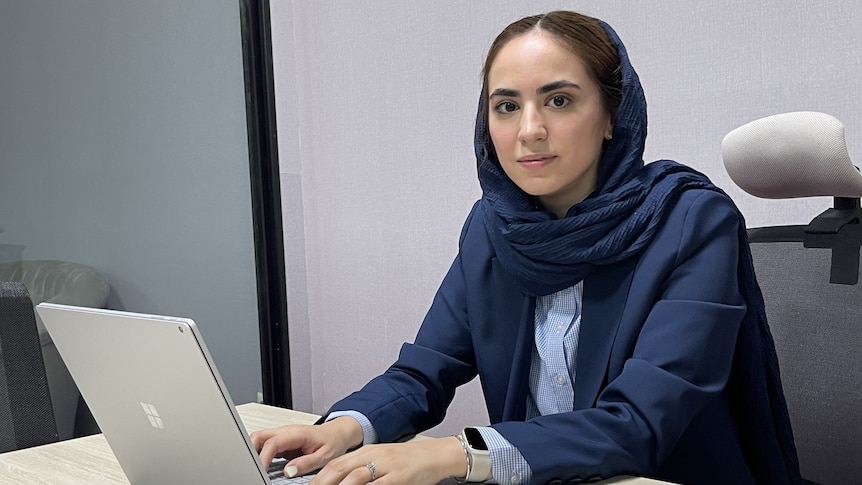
{"x": 799, "y": 154}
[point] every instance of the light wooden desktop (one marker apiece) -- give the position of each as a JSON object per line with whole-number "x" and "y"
{"x": 90, "y": 460}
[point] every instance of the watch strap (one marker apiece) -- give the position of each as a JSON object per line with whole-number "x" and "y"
{"x": 478, "y": 461}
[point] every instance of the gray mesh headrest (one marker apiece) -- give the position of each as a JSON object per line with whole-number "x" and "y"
{"x": 800, "y": 154}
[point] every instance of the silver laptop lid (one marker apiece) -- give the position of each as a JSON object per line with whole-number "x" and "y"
{"x": 155, "y": 393}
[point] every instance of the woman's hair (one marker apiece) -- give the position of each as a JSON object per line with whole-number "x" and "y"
{"x": 584, "y": 36}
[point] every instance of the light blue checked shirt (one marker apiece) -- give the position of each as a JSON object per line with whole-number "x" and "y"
{"x": 552, "y": 377}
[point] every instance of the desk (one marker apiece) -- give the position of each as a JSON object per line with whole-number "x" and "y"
{"x": 90, "y": 461}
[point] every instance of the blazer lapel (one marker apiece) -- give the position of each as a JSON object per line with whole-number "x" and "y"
{"x": 606, "y": 290}
{"x": 515, "y": 406}
{"x": 513, "y": 328}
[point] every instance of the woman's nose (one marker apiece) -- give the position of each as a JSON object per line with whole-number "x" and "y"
{"x": 532, "y": 126}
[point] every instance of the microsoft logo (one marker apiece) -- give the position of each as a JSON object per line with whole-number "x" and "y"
{"x": 153, "y": 415}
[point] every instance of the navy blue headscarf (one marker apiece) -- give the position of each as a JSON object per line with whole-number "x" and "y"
{"x": 616, "y": 221}
{"x": 546, "y": 254}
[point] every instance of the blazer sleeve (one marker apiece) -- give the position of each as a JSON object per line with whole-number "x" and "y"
{"x": 678, "y": 333}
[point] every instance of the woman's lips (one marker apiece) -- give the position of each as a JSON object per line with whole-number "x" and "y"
{"x": 535, "y": 162}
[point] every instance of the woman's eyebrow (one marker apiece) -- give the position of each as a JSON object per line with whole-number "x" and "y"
{"x": 506, "y": 93}
{"x": 553, "y": 86}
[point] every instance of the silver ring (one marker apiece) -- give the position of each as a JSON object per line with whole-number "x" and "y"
{"x": 372, "y": 467}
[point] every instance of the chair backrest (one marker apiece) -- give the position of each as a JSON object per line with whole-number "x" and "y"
{"x": 817, "y": 327}
{"x": 26, "y": 414}
{"x": 809, "y": 276}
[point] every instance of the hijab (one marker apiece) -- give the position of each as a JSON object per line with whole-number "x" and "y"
{"x": 546, "y": 254}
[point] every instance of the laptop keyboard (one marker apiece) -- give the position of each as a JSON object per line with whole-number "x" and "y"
{"x": 276, "y": 474}
{"x": 283, "y": 480}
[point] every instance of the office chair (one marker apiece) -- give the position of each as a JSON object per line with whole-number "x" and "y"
{"x": 809, "y": 276}
{"x": 71, "y": 284}
{"x": 26, "y": 414}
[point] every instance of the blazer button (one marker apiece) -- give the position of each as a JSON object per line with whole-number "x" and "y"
{"x": 594, "y": 479}
{"x": 575, "y": 481}
{"x": 555, "y": 481}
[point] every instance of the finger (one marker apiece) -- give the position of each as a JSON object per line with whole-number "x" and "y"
{"x": 374, "y": 470}
{"x": 361, "y": 475}
{"x": 284, "y": 441}
{"x": 276, "y": 446}
{"x": 268, "y": 451}
{"x": 311, "y": 462}
{"x": 351, "y": 469}
{"x": 355, "y": 476}
{"x": 258, "y": 437}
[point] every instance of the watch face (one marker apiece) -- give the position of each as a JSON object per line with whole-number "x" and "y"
{"x": 474, "y": 438}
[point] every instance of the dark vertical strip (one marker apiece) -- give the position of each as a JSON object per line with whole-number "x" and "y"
{"x": 266, "y": 201}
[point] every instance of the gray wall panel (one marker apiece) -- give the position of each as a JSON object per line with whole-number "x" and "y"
{"x": 123, "y": 145}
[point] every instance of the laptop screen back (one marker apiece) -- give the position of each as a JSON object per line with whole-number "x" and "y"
{"x": 155, "y": 393}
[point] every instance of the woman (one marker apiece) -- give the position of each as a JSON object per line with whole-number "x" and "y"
{"x": 609, "y": 307}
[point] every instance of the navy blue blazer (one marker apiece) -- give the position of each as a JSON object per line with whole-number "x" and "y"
{"x": 656, "y": 342}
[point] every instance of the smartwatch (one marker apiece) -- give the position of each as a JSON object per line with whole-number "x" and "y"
{"x": 477, "y": 454}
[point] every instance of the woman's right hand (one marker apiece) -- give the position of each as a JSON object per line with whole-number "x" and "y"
{"x": 310, "y": 446}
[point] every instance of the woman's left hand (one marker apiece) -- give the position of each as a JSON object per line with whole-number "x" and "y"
{"x": 418, "y": 462}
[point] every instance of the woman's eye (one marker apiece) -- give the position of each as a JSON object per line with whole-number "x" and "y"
{"x": 506, "y": 107}
{"x": 559, "y": 101}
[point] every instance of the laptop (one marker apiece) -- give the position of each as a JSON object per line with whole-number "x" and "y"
{"x": 154, "y": 391}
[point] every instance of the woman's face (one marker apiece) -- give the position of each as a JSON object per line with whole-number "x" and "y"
{"x": 547, "y": 120}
